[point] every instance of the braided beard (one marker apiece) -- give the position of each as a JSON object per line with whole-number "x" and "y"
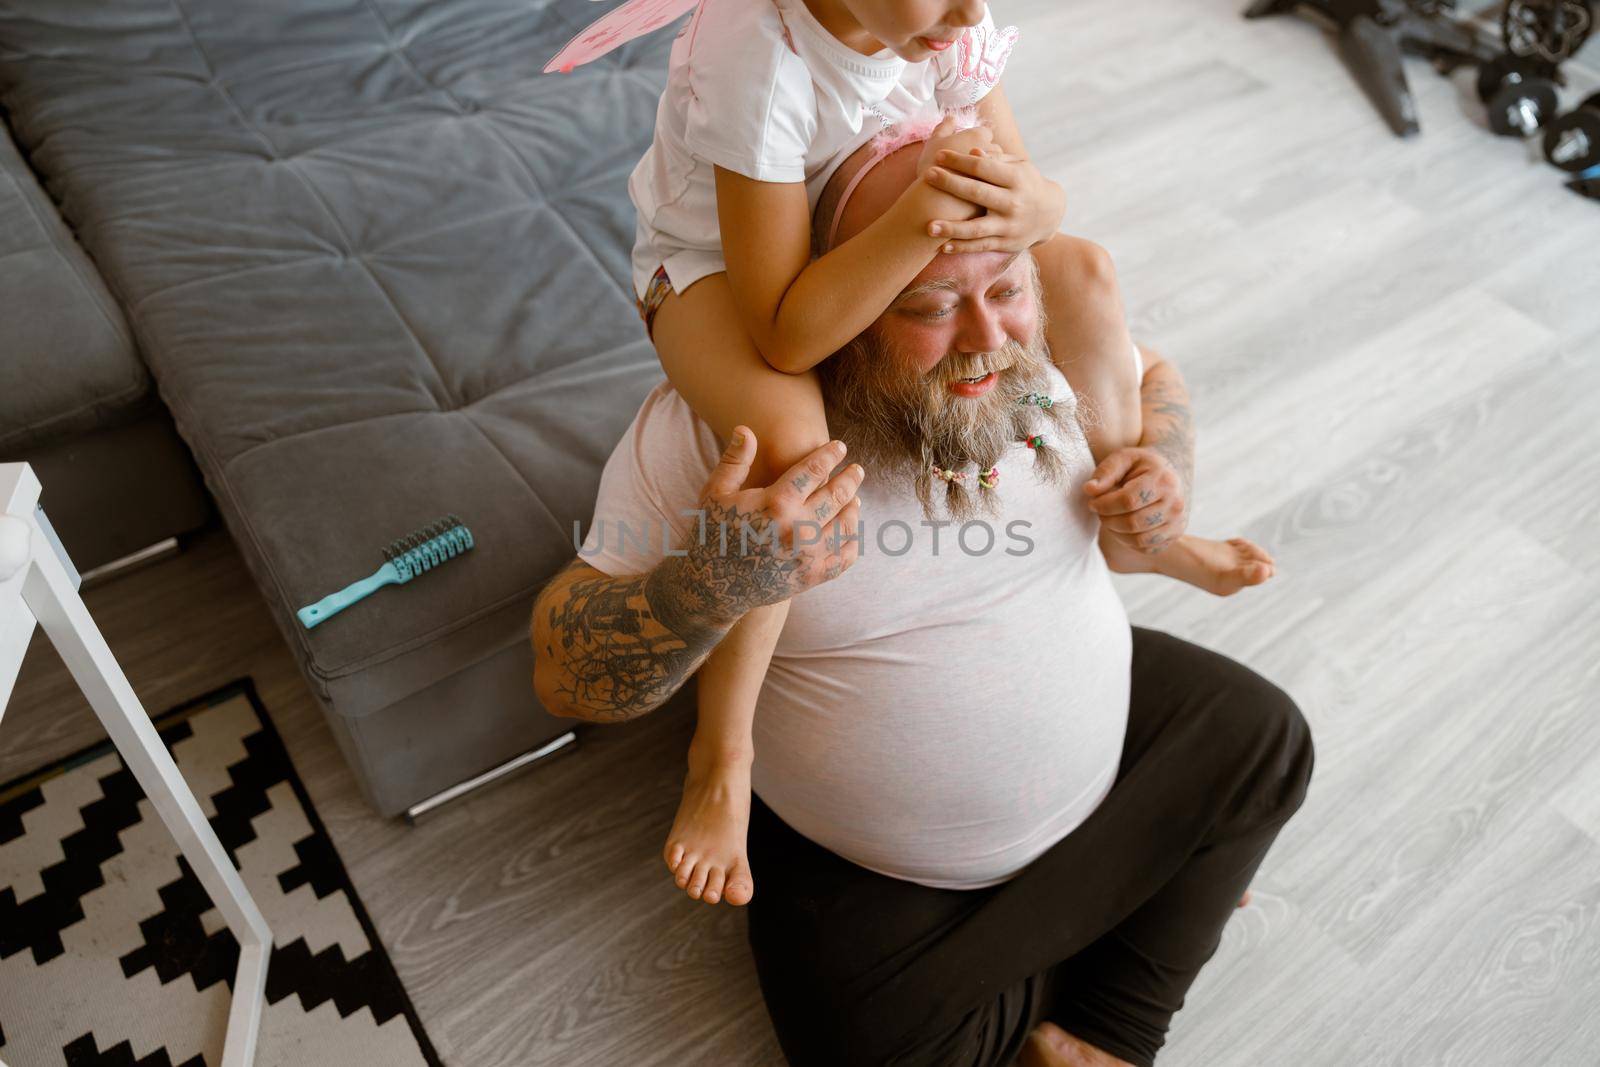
{"x": 900, "y": 425}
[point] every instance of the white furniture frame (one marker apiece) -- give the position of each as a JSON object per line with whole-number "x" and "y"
{"x": 38, "y": 584}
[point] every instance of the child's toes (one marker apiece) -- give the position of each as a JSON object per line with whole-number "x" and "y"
{"x": 685, "y": 871}
{"x": 714, "y": 882}
{"x": 673, "y": 854}
{"x": 740, "y": 887}
{"x": 1254, "y": 563}
{"x": 1250, "y": 550}
{"x": 697, "y": 884}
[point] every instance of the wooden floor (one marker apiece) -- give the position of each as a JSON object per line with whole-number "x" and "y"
{"x": 1394, "y": 349}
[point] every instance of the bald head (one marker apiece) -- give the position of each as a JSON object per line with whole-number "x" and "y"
{"x": 959, "y": 304}
{"x": 871, "y": 194}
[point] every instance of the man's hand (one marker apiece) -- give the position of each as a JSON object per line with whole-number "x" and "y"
{"x": 607, "y": 649}
{"x": 1022, "y": 207}
{"x": 761, "y": 546}
{"x": 1140, "y": 498}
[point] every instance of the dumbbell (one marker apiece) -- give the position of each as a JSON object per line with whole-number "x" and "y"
{"x": 1572, "y": 142}
{"x": 1519, "y": 93}
{"x": 1553, "y": 30}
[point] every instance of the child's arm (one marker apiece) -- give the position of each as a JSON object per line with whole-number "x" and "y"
{"x": 995, "y": 110}
{"x": 800, "y": 312}
{"x": 1022, "y": 206}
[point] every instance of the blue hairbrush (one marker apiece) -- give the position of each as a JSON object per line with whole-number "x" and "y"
{"x": 407, "y": 557}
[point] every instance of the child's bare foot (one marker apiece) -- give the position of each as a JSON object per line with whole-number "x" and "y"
{"x": 1220, "y": 567}
{"x": 1244, "y": 899}
{"x": 706, "y": 846}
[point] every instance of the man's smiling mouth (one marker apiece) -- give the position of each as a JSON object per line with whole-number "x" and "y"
{"x": 973, "y": 388}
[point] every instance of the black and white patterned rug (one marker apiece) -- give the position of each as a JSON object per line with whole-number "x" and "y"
{"x": 110, "y": 951}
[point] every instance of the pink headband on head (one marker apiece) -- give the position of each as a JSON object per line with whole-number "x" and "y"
{"x": 887, "y": 143}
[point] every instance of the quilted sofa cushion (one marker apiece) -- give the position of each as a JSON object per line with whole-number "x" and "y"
{"x": 56, "y": 312}
{"x": 378, "y": 265}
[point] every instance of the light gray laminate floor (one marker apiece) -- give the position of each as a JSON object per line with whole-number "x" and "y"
{"x": 1394, "y": 349}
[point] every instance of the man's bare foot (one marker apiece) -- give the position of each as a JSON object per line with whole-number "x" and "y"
{"x": 706, "y": 847}
{"x": 1050, "y": 1046}
{"x": 1220, "y": 567}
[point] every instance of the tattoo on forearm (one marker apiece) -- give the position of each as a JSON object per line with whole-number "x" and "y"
{"x": 624, "y": 645}
{"x": 1169, "y": 425}
{"x": 751, "y": 573}
{"x": 619, "y": 660}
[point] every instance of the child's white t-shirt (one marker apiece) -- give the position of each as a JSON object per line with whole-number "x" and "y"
{"x": 760, "y": 88}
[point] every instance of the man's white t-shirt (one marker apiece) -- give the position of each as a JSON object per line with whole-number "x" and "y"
{"x": 758, "y": 87}
{"x": 938, "y": 713}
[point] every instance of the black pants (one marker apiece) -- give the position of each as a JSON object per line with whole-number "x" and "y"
{"x": 1102, "y": 935}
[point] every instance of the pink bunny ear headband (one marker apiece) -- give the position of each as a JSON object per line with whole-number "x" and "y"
{"x": 908, "y": 131}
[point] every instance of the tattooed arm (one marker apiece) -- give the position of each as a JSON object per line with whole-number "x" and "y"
{"x": 612, "y": 648}
{"x": 1168, "y": 422}
{"x": 608, "y": 649}
{"x": 1142, "y": 494}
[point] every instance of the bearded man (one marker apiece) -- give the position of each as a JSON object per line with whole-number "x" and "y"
{"x": 994, "y": 823}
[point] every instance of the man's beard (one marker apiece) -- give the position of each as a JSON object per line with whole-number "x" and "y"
{"x": 899, "y": 424}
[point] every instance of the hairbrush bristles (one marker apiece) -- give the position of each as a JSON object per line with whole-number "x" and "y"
{"x": 428, "y": 547}
{"x": 406, "y": 557}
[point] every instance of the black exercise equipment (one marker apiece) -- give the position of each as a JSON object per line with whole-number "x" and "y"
{"x": 1373, "y": 34}
{"x": 1519, "y": 92}
{"x": 1551, "y": 30}
{"x": 1572, "y": 142}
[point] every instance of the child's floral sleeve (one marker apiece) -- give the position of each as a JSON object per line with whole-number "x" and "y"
{"x": 969, "y": 70}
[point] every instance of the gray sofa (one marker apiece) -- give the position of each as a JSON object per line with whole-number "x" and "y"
{"x": 376, "y": 266}
{"x": 75, "y": 398}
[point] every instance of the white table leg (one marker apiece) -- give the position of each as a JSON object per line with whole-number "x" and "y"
{"x": 48, "y": 592}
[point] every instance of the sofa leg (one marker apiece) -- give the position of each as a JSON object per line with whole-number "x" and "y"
{"x": 564, "y": 743}
{"x": 152, "y": 554}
